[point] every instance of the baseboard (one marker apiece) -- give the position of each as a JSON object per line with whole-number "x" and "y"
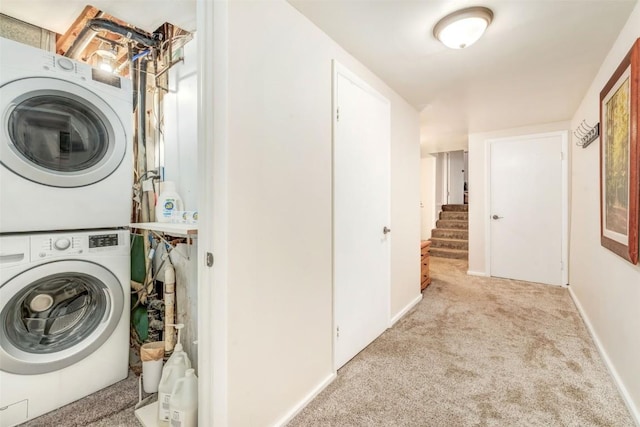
{"x": 306, "y": 400}
{"x": 626, "y": 397}
{"x": 477, "y": 273}
{"x": 405, "y": 310}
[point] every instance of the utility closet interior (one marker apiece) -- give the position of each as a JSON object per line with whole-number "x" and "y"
{"x": 109, "y": 279}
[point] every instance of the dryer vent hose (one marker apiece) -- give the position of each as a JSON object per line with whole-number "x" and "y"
{"x": 101, "y": 24}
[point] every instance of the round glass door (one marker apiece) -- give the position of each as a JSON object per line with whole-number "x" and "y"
{"x": 56, "y": 314}
{"x": 58, "y": 133}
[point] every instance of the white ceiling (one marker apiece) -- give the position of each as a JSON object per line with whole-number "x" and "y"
{"x": 533, "y": 65}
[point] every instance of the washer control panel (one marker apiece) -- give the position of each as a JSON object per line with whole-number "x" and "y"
{"x": 44, "y": 246}
{"x": 103, "y": 240}
{"x": 66, "y": 64}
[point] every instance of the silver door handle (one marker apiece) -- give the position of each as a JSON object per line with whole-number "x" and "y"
{"x": 386, "y": 230}
{"x": 496, "y": 217}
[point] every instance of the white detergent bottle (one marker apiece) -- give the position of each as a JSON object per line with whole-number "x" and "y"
{"x": 174, "y": 369}
{"x": 169, "y": 201}
{"x": 179, "y": 355}
{"x": 184, "y": 401}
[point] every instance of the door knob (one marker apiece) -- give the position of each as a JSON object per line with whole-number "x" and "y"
{"x": 496, "y": 217}
{"x": 386, "y": 230}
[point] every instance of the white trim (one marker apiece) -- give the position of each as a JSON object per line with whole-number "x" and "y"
{"x": 212, "y": 47}
{"x": 564, "y": 143}
{"x": 445, "y": 178}
{"x": 405, "y": 310}
{"x": 487, "y": 207}
{"x": 338, "y": 68}
{"x": 477, "y": 273}
{"x": 565, "y": 208}
{"x": 306, "y": 400}
{"x": 334, "y": 108}
{"x": 626, "y": 396}
{"x": 434, "y": 205}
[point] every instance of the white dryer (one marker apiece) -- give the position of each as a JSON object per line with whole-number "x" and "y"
{"x": 65, "y": 143}
{"x": 64, "y": 318}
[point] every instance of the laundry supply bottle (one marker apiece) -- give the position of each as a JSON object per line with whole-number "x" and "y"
{"x": 184, "y": 401}
{"x": 179, "y": 355}
{"x": 169, "y": 201}
{"x": 173, "y": 370}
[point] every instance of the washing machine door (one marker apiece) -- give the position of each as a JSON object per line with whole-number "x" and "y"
{"x": 56, "y": 314}
{"x": 58, "y": 133}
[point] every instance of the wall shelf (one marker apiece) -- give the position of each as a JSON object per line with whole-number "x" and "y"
{"x": 172, "y": 229}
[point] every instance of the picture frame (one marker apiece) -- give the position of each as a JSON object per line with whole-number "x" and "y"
{"x": 620, "y": 158}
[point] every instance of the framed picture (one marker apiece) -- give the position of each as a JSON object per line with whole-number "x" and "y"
{"x": 620, "y": 158}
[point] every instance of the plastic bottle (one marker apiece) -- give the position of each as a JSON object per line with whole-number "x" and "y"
{"x": 169, "y": 202}
{"x": 179, "y": 355}
{"x": 184, "y": 401}
{"x": 174, "y": 369}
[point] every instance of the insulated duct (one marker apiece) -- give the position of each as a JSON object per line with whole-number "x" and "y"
{"x": 94, "y": 26}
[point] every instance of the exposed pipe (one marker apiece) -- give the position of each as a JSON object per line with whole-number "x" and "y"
{"x": 100, "y": 24}
{"x": 169, "y": 296}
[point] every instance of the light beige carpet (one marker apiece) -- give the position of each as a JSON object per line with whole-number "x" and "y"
{"x": 110, "y": 407}
{"x": 476, "y": 352}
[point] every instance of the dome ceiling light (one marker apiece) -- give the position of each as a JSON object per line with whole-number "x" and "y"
{"x": 464, "y": 27}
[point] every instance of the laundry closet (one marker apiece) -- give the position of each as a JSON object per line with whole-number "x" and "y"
{"x": 99, "y": 121}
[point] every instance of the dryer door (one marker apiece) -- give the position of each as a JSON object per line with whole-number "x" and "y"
{"x": 58, "y": 133}
{"x": 56, "y": 314}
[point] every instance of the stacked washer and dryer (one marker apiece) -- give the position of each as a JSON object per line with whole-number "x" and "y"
{"x": 66, "y": 171}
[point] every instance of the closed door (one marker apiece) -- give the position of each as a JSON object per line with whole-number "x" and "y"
{"x": 526, "y": 208}
{"x": 456, "y": 178}
{"x": 361, "y": 213}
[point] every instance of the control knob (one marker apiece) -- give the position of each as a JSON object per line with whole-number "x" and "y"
{"x": 62, "y": 243}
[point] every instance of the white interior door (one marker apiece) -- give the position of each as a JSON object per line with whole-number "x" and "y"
{"x": 527, "y": 208}
{"x": 456, "y": 177}
{"x": 441, "y": 182}
{"x": 361, "y": 211}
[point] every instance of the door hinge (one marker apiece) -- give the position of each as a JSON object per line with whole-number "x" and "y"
{"x": 209, "y": 259}
{"x": 337, "y": 331}
{"x": 338, "y": 114}
{"x": 561, "y": 155}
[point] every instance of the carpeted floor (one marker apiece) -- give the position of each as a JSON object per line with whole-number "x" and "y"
{"x": 476, "y": 352}
{"x": 110, "y": 407}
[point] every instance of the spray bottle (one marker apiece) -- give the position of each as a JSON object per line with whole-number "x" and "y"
{"x": 173, "y": 370}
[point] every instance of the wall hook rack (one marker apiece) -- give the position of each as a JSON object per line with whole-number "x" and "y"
{"x": 586, "y": 134}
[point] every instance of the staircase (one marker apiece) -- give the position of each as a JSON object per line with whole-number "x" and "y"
{"x": 450, "y": 238}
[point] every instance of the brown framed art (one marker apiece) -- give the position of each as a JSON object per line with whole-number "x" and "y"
{"x": 620, "y": 158}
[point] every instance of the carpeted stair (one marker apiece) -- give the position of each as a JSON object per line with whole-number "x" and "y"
{"x": 450, "y": 238}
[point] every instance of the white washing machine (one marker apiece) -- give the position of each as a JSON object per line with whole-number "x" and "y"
{"x": 64, "y": 318}
{"x": 66, "y": 156}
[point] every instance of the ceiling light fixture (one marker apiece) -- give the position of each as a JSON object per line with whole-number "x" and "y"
{"x": 464, "y": 27}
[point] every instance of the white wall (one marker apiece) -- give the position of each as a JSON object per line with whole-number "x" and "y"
{"x": 478, "y": 211}
{"x": 427, "y": 196}
{"x": 180, "y": 131}
{"x": 279, "y": 209}
{"x": 605, "y": 286}
{"x": 454, "y": 141}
